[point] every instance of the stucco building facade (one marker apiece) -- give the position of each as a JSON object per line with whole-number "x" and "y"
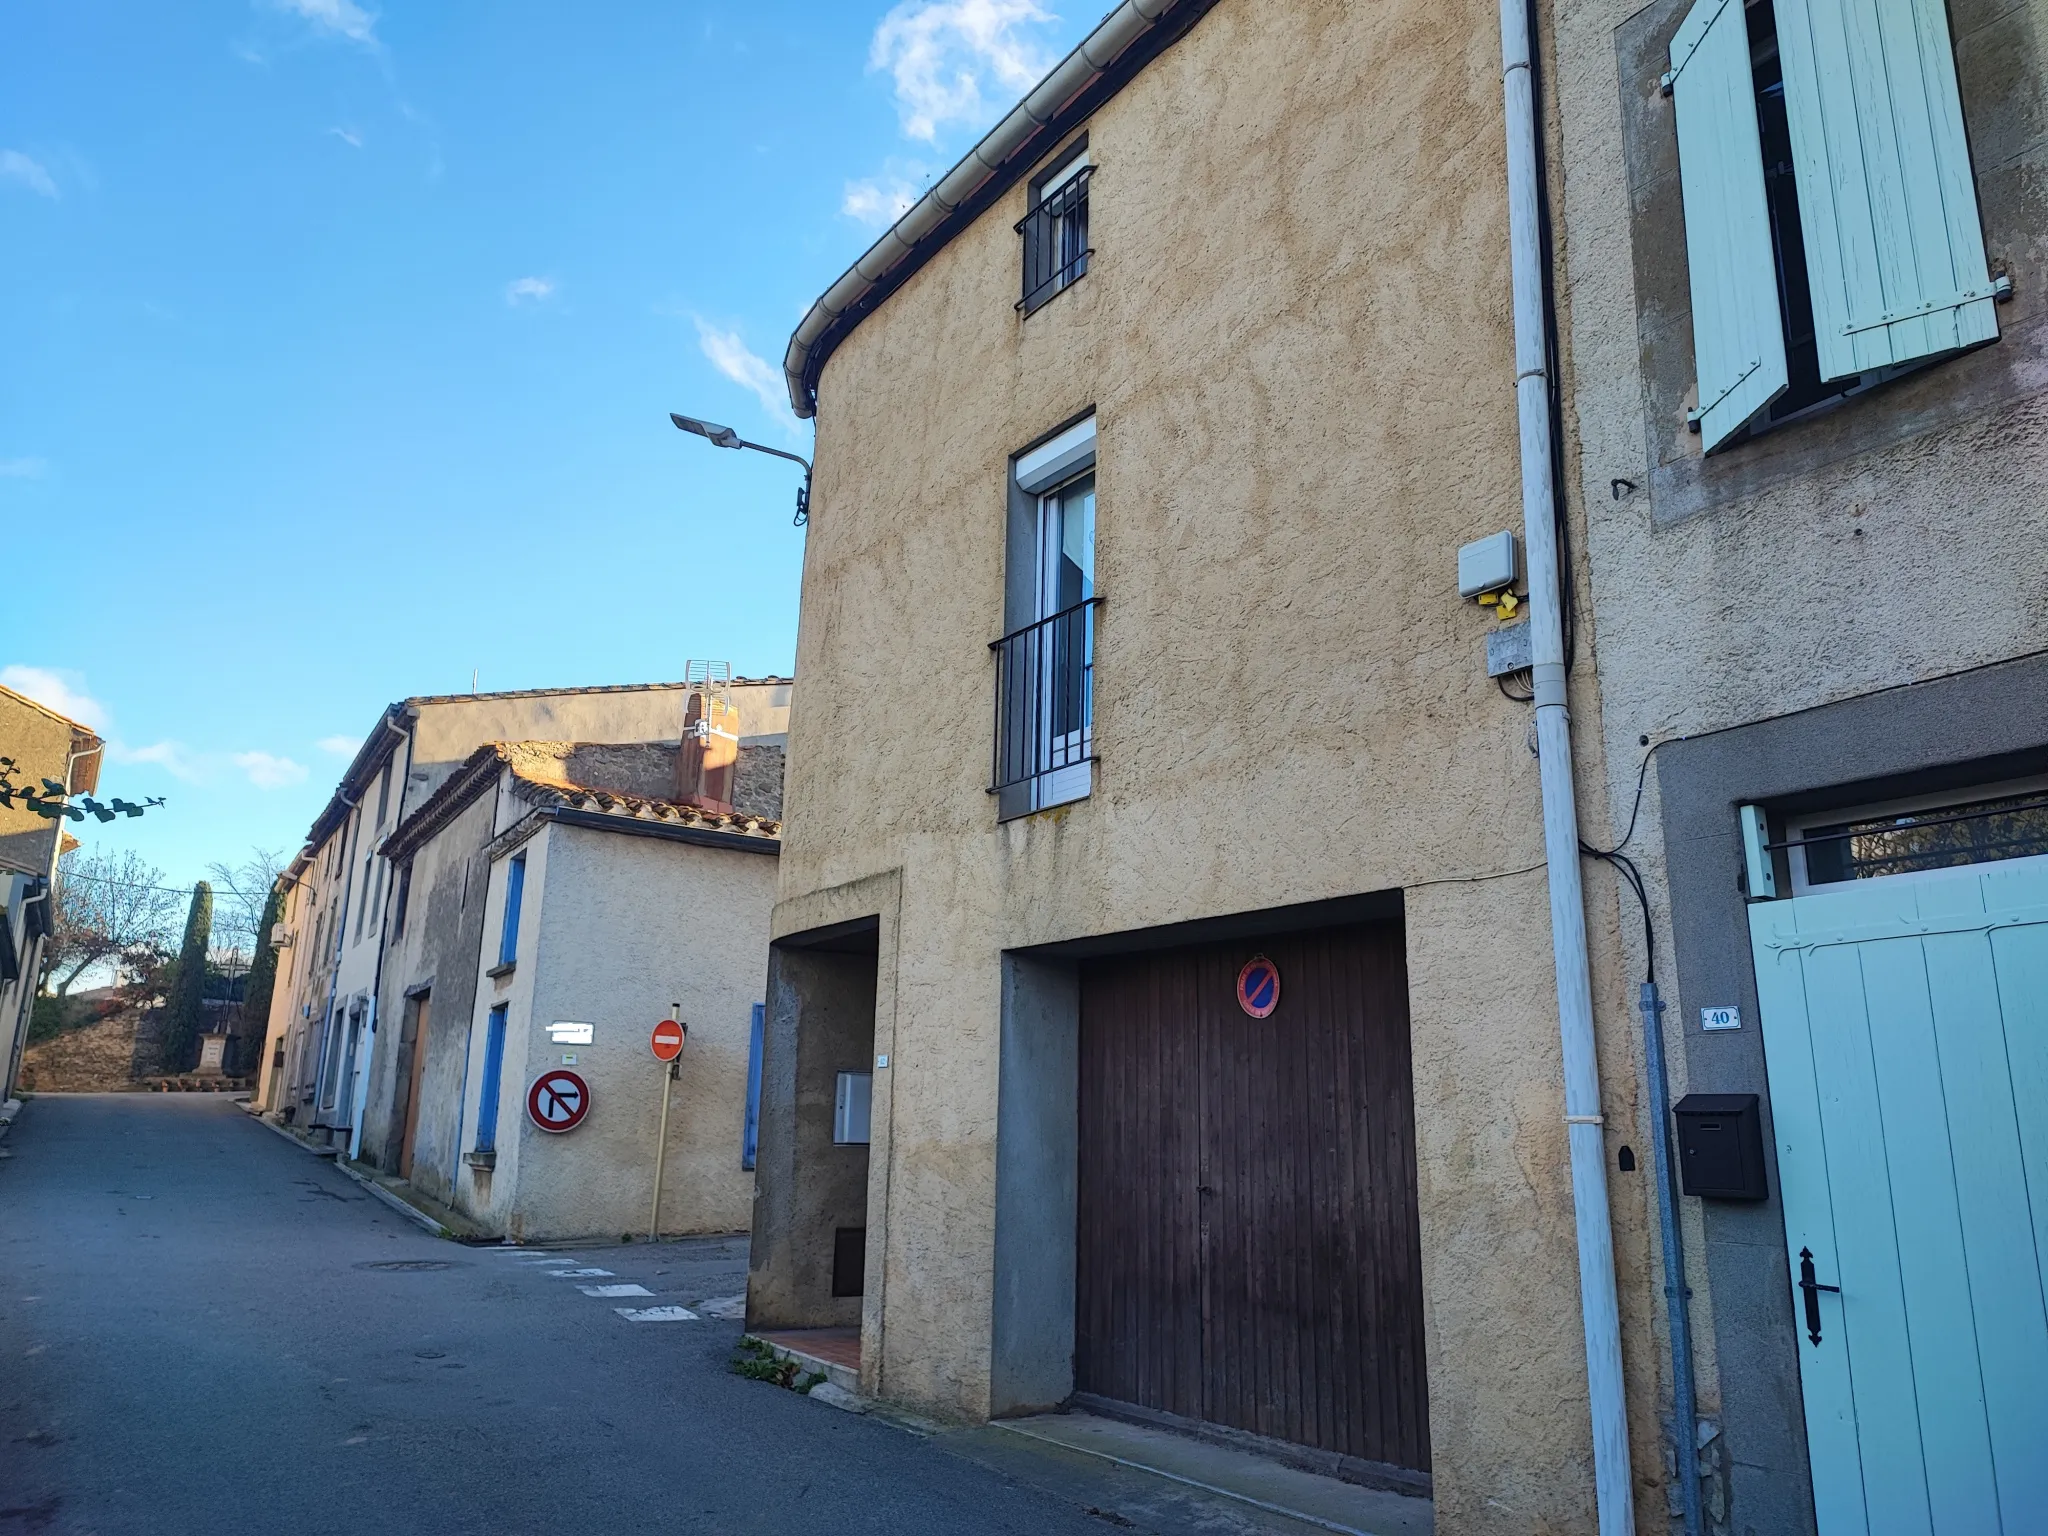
{"x": 1809, "y": 340}
{"x": 559, "y": 901}
{"x": 44, "y": 745}
{"x": 323, "y": 1018}
{"x": 1194, "y": 950}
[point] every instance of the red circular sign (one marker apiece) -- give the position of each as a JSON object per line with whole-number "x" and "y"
{"x": 1258, "y": 987}
{"x": 558, "y": 1100}
{"x": 668, "y": 1040}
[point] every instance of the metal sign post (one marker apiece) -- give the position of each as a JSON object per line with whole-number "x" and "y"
{"x": 669, "y": 1036}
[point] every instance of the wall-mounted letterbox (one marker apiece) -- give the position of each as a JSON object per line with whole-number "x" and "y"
{"x": 1721, "y": 1146}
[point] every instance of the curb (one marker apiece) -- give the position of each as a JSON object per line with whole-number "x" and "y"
{"x": 377, "y": 1190}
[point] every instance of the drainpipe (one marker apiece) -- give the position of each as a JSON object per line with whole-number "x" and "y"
{"x": 1599, "y": 1306}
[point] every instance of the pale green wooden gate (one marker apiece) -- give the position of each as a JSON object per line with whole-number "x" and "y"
{"x": 1905, "y": 1026}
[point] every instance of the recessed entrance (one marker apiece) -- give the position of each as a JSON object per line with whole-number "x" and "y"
{"x": 1247, "y": 1247}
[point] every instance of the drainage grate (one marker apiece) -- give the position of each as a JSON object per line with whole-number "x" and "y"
{"x": 405, "y": 1264}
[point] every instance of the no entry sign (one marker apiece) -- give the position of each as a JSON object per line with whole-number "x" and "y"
{"x": 558, "y": 1100}
{"x": 668, "y": 1040}
{"x": 1258, "y": 987}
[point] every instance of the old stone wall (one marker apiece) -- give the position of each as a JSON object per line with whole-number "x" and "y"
{"x": 114, "y": 1053}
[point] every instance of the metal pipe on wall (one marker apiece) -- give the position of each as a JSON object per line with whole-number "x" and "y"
{"x": 1598, "y": 1302}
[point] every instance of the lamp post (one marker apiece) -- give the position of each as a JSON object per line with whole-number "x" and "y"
{"x": 725, "y": 437}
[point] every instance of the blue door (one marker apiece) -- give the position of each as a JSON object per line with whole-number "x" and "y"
{"x": 1905, "y": 1028}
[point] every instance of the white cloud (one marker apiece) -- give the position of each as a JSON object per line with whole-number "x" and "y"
{"x": 939, "y": 52}
{"x": 878, "y": 201}
{"x": 534, "y": 288}
{"x": 267, "y": 771}
{"x": 348, "y": 136}
{"x": 342, "y": 18}
{"x": 62, "y": 691}
{"x": 340, "y": 746}
{"x": 15, "y": 166}
{"x": 731, "y": 357}
{"x": 172, "y": 756}
{"x": 24, "y": 469}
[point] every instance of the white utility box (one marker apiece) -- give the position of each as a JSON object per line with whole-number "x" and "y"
{"x": 1487, "y": 565}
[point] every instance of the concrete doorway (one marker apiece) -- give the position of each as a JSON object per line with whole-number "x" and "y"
{"x": 809, "y": 1260}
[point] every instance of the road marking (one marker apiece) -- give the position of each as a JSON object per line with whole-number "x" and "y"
{"x": 728, "y": 1308}
{"x": 580, "y": 1274}
{"x": 614, "y": 1290}
{"x": 656, "y": 1314}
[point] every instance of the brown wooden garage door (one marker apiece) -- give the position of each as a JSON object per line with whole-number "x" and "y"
{"x": 1247, "y": 1251}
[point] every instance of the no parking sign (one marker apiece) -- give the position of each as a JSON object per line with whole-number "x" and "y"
{"x": 1258, "y": 987}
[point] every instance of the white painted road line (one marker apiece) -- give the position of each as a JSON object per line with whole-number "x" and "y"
{"x": 656, "y": 1314}
{"x": 580, "y": 1274}
{"x": 729, "y": 1308}
{"x": 614, "y": 1290}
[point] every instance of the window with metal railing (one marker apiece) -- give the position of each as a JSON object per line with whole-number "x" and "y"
{"x": 1045, "y": 709}
{"x": 1055, "y": 232}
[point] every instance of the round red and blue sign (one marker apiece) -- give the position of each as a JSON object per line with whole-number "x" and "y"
{"x": 1258, "y": 987}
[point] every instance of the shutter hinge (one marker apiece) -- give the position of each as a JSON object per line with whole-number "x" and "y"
{"x": 1999, "y": 288}
{"x": 1670, "y": 77}
{"x": 1694, "y": 416}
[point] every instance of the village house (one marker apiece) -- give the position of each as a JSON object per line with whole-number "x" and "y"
{"x": 556, "y": 901}
{"x": 339, "y": 889}
{"x": 1166, "y": 1025}
{"x": 1809, "y": 330}
{"x": 44, "y": 745}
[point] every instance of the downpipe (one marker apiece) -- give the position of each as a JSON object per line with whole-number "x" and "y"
{"x": 1598, "y": 1302}
{"x": 1685, "y": 1417}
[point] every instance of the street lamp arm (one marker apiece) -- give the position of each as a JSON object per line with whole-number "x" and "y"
{"x": 779, "y": 453}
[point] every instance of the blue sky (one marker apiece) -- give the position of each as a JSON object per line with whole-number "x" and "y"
{"x": 336, "y": 344}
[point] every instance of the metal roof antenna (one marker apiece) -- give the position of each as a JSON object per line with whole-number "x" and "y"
{"x": 711, "y": 737}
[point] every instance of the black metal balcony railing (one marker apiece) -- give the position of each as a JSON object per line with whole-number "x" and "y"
{"x": 1045, "y": 696}
{"x": 1056, "y": 249}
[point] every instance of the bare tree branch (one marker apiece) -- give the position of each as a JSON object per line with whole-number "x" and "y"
{"x": 109, "y": 906}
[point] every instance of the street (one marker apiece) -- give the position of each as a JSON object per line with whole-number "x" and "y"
{"x": 206, "y": 1329}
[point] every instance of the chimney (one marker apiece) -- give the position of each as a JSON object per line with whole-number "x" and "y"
{"x": 710, "y": 751}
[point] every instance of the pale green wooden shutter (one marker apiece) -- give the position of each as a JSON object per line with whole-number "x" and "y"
{"x": 1738, "y": 339}
{"x": 1886, "y": 198}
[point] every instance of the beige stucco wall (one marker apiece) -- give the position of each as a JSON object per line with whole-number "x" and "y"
{"x": 1294, "y": 332}
{"x": 40, "y": 742}
{"x": 615, "y": 928}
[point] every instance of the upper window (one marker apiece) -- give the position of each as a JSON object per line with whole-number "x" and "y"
{"x": 1055, "y": 231}
{"x": 1831, "y": 226}
{"x": 515, "y": 889}
{"x": 1045, "y": 666}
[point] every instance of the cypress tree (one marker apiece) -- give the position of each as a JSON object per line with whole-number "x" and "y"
{"x": 185, "y": 1013}
{"x": 262, "y": 980}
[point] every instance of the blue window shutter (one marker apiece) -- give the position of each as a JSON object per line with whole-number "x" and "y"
{"x": 515, "y": 888}
{"x": 1738, "y": 338}
{"x": 750, "y": 1135}
{"x": 1887, "y": 202}
{"x": 494, "y": 1072}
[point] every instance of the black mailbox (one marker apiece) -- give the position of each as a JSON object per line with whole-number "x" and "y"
{"x": 1721, "y": 1146}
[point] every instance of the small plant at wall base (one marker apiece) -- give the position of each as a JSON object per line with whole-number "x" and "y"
{"x": 757, "y": 1361}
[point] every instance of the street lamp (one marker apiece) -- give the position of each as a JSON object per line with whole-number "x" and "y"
{"x": 725, "y": 437}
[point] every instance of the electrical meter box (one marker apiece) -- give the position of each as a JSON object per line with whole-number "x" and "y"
{"x": 1721, "y": 1146}
{"x": 1487, "y": 565}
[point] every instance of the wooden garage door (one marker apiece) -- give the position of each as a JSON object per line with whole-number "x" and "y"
{"x": 1247, "y": 1250}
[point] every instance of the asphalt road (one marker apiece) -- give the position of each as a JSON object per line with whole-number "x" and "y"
{"x": 205, "y": 1329}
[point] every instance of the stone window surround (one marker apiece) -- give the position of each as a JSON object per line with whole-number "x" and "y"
{"x": 1999, "y": 65}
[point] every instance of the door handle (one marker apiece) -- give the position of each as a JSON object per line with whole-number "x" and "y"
{"x": 1812, "y": 1288}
